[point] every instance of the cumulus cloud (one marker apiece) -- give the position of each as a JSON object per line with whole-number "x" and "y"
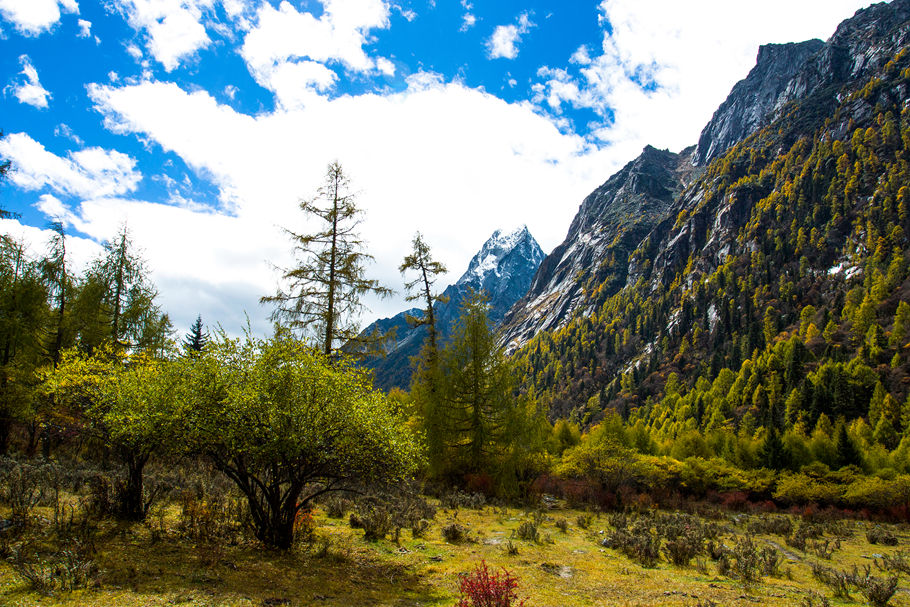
{"x": 85, "y": 28}
{"x": 504, "y": 41}
{"x": 663, "y": 68}
{"x": 32, "y": 17}
{"x": 494, "y": 155}
{"x": 29, "y": 90}
{"x": 287, "y": 51}
{"x": 92, "y": 172}
{"x": 173, "y": 28}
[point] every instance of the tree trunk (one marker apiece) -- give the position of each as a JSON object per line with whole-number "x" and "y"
{"x": 132, "y": 502}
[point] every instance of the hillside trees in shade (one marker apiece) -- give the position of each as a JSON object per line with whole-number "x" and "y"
{"x": 288, "y": 424}
{"x": 322, "y": 293}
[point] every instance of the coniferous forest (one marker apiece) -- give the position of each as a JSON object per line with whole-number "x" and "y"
{"x": 723, "y": 412}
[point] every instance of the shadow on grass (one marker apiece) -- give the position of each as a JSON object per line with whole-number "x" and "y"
{"x": 174, "y": 571}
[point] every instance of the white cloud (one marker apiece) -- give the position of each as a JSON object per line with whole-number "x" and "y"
{"x": 85, "y": 28}
{"x": 64, "y": 130}
{"x": 173, "y": 27}
{"x": 89, "y": 173}
{"x": 469, "y": 19}
{"x": 287, "y": 50}
{"x": 491, "y": 155}
{"x": 32, "y": 17}
{"x": 665, "y": 68}
{"x": 504, "y": 41}
{"x": 30, "y": 90}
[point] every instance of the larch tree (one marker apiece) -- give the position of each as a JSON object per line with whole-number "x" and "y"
{"x": 60, "y": 284}
{"x": 117, "y": 302}
{"x": 420, "y": 288}
{"x": 322, "y": 294}
{"x": 485, "y": 427}
{"x": 426, "y": 382}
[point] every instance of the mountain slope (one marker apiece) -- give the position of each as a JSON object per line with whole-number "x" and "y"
{"x": 502, "y": 268}
{"x": 795, "y": 230}
{"x": 611, "y": 222}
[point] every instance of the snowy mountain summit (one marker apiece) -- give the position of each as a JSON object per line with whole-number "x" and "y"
{"x": 503, "y": 268}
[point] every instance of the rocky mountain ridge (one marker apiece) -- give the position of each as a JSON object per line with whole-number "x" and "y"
{"x": 651, "y": 215}
{"x": 502, "y": 268}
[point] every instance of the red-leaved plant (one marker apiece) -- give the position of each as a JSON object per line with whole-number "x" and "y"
{"x": 485, "y": 588}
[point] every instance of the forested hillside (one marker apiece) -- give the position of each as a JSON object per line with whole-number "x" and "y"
{"x": 772, "y": 296}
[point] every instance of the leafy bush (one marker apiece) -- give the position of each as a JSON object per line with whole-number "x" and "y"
{"x": 483, "y": 588}
{"x": 461, "y": 499}
{"x": 748, "y": 562}
{"x": 824, "y": 549}
{"x": 583, "y": 521}
{"x": 336, "y": 506}
{"x": 376, "y": 522}
{"x": 637, "y": 541}
{"x": 21, "y": 487}
{"x": 897, "y": 562}
{"x": 770, "y": 559}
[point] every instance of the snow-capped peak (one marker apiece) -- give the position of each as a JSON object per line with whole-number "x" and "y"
{"x": 487, "y": 261}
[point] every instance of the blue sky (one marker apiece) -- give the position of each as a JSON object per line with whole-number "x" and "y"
{"x": 201, "y": 123}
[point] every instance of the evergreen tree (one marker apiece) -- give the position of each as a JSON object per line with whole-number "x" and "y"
{"x": 846, "y": 453}
{"x": 5, "y": 167}
{"x": 323, "y": 291}
{"x": 60, "y": 285}
{"x": 197, "y": 337}
{"x": 773, "y": 453}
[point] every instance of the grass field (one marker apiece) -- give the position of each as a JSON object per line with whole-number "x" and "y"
{"x": 152, "y": 564}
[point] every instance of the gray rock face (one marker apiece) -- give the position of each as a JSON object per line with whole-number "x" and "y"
{"x": 502, "y": 268}
{"x": 610, "y": 223}
{"x": 754, "y": 100}
{"x": 810, "y": 71}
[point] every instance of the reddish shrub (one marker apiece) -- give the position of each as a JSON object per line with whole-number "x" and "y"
{"x": 735, "y": 500}
{"x": 480, "y": 483}
{"x": 483, "y": 588}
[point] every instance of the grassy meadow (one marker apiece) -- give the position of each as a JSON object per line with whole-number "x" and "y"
{"x": 191, "y": 552}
